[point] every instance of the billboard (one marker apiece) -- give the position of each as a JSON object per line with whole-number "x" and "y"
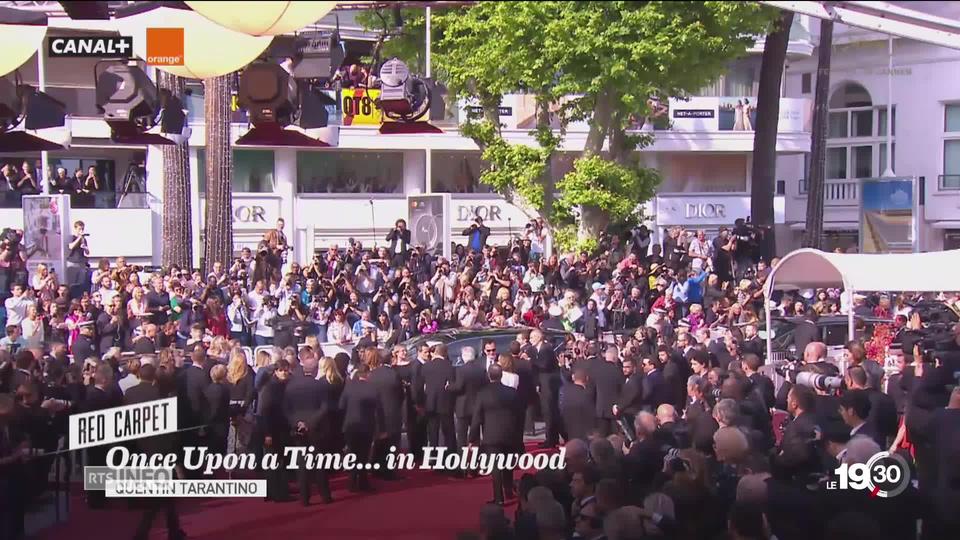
{"x": 46, "y": 232}
{"x": 887, "y": 215}
{"x": 428, "y": 218}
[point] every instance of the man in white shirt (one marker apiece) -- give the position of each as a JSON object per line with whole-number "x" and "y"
{"x": 133, "y": 376}
{"x": 17, "y": 306}
{"x": 255, "y": 297}
{"x": 700, "y": 251}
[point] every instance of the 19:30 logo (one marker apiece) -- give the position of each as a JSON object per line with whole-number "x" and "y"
{"x": 884, "y": 475}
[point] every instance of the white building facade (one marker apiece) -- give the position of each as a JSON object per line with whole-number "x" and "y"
{"x": 358, "y": 189}
{"x": 925, "y": 83}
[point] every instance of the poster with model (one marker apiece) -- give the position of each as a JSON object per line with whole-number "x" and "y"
{"x": 46, "y": 231}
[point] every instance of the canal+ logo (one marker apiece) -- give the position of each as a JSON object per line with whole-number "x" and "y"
{"x": 164, "y": 47}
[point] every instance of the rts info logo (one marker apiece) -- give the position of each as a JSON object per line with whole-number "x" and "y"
{"x": 884, "y": 475}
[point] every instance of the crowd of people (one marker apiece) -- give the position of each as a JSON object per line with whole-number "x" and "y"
{"x": 27, "y": 179}
{"x": 643, "y": 359}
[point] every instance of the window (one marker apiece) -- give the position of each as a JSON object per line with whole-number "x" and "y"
{"x": 837, "y": 128}
{"x": 709, "y": 173}
{"x": 836, "y": 163}
{"x": 349, "y": 172}
{"x": 951, "y": 118}
{"x": 862, "y": 161}
{"x": 805, "y": 83}
{"x": 862, "y": 123}
{"x": 951, "y": 164}
{"x": 252, "y": 171}
{"x": 458, "y": 172}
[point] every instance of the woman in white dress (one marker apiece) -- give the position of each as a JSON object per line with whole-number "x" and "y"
{"x": 747, "y": 111}
{"x": 510, "y": 377}
{"x": 738, "y": 116}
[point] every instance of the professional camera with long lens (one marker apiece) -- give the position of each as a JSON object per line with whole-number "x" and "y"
{"x": 793, "y": 372}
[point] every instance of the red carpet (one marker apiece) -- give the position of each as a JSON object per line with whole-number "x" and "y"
{"x": 424, "y": 506}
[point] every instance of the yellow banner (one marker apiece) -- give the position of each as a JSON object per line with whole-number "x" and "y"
{"x": 359, "y": 107}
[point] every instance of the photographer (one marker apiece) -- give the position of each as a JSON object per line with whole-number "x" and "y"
{"x": 13, "y": 259}
{"x": 477, "y": 234}
{"x": 239, "y": 319}
{"x": 399, "y": 238}
{"x": 744, "y": 234}
{"x": 77, "y": 258}
{"x": 263, "y": 319}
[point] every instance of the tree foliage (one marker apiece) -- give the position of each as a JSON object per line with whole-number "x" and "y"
{"x": 406, "y": 42}
{"x": 603, "y": 62}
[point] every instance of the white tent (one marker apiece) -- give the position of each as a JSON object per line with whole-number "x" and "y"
{"x": 855, "y": 272}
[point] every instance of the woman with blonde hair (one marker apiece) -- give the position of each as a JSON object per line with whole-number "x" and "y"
{"x": 510, "y": 377}
{"x": 331, "y": 386}
{"x": 261, "y": 367}
{"x": 240, "y": 382}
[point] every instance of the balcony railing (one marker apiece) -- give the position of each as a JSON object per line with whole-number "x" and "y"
{"x": 949, "y": 182}
{"x": 835, "y": 192}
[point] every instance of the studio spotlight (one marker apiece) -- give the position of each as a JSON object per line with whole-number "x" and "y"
{"x": 132, "y": 105}
{"x": 24, "y": 104}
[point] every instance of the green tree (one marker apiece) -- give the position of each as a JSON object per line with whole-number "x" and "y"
{"x": 608, "y": 63}
{"x": 407, "y": 42}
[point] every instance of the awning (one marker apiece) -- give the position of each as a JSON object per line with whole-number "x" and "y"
{"x": 921, "y": 272}
{"x": 945, "y": 225}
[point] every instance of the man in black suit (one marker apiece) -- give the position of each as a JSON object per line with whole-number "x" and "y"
{"x": 796, "y": 453}
{"x": 855, "y": 409}
{"x": 193, "y": 380}
{"x": 577, "y": 406}
{"x": 305, "y": 408}
{"x": 434, "y": 379}
{"x": 99, "y": 395}
{"x": 527, "y": 384}
{"x": 470, "y": 378}
{"x": 144, "y": 392}
{"x": 630, "y": 400}
{"x": 883, "y": 417}
{"x": 761, "y": 383}
{"x": 655, "y": 389}
{"x": 752, "y": 344}
{"x": 385, "y": 379}
{"x": 497, "y": 412}
{"x": 607, "y": 377}
{"x": 544, "y": 360}
{"x": 477, "y": 234}
{"x": 399, "y": 238}
{"x": 857, "y": 356}
{"x": 805, "y": 331}
{"x": 272, "y": 429}
{"x": 362, "y": 421}
{"x": 108, "y": 325}
{"x": 404, "y": 331}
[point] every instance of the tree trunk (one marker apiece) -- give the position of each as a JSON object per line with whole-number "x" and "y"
{"x": 177, "y": 247}
{"x": 593, "y": 222}
{"x": 818, "y": 142}
{"x": 218, "y": 238}
{"x": 764, "y": 172}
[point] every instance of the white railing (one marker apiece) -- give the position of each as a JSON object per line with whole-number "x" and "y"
{"x": 835, "y": 192}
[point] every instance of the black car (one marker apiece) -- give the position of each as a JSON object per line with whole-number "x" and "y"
{"x": 833, "y": 332}
{"x": 457, "y": 339}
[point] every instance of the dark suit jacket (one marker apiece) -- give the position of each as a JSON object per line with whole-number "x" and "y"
{"x": 630, "y": 400}
{"x": 108, "y": 333}
{"x": 765, "y": 388}
{"x": 362, "y": 412}
{"x": 608, "y": 381}
{"x": 390, "y": 393}
{"x": 655, "y": 390}
{"x": 526, "y": 386}
{"x": 434, "y": 376}
{"x": 795, "y": 450}
{"x": 83, "y": 348}
{"x": 217, "y": 412}
{"x": 193, "y": 381}
{"x": 142, "y": 393}
{"x": 577, "y": 406}
{"x": 883, "y": 415}
{"x": 484, "y": 234}
{"x": 270, "y": 412}
{"x": 304, "y": 401}
{"x": 470, "y": 378}
{"x": 395, "y": 236}
{"x": 803, "y": 334}
{"x": 498, "y": 411}
{"x": 545, "y": 360}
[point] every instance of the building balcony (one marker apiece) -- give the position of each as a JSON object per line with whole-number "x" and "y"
{"x": 835, "y": 192}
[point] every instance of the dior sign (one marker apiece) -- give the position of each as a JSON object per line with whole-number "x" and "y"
{"x": 705, "y": 211}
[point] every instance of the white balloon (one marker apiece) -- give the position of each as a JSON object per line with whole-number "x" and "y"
{"x": 269, "y": 18}
{"x": 19, "y": 42}
{"x": 210, "y": 50}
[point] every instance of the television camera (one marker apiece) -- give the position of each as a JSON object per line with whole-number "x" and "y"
{"x": 797, "y": 373}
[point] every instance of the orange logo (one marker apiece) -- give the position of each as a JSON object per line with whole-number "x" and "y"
{"x": 165, "y": 46}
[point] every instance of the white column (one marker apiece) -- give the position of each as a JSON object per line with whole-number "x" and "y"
{"x": 154, "y": 189}
{"x": 888, "y": 171}
{"x": 429, "y": 35}
{"x": 428, "y": 171}
{"x": 414, "y": 172}
{"x": 285, "y": 178}
{"x": 196, "y": 209}
{"x": 44, "y": 181}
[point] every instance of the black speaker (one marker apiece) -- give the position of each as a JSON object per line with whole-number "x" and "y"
{"x": 320, "y": 55}
{"x": 43, "y": 110}
{"x": 426, "y": 219}
{"x": 125, "y": 93}
{"x": 172, "y": 117}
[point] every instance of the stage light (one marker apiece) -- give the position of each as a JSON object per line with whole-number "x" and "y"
{"x": 268, "y": 93}
{"x": 209, "y": 50}
{"x": 21, "y": 36}
{"x": 264, "y": 18}
{"x": 132, "y": 105}
{"x": 402, "y": 97}
{"x": 24, "y": 104}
